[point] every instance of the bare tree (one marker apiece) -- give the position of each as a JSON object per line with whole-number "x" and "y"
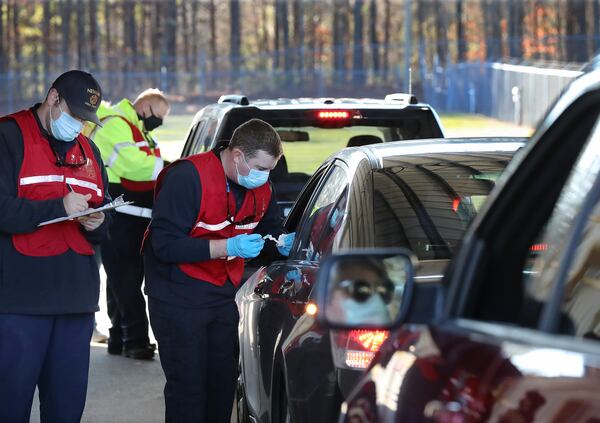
{"x": 373, "y": 39}
{"x": 169, "y": 54}
{"x": 492, "y": 15}
{"x": 515, "y": 28}
{"x": 93, "y": 25}
{"x": 184, "y": 17}
{"x": 235, "y": 38}
{"x": 460, "y": 32}
{"x": 3, "y": 57}
{"x": 108, "y": 47}
{"x": 82, "y": 46}
{"x": 358, "y": 62}
{"x": 66, "y": 32}
{"x": 338, "y": 39}
{"x": 299, "y": 34}
{"x": 278, "y": 25}
{"x": 285, "y": 27}
{"x": 596, "y": 28}
{"x": 46, "y": 39}
{"x": 441, "y": 28}
{"x": 386, "y": 40}
{"x": 213, "y": 35}
{"x": 18, "y": 49}
{"x": 576, "y": 31}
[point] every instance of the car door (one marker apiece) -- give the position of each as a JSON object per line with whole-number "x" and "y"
{"x": 519, "y": 337}
{"x": 274, "y": 298}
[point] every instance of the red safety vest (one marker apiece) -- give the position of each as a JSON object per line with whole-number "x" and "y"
{"x": 212, "y": 221}
{"x": 41, "y": 179}
{"x": 142, "y": 143}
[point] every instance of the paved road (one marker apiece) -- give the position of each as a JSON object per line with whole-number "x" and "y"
{"x": 121, "y": 390}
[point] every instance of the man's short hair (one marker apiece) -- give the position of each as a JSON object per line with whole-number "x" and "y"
{"x": 256, "y": 135}
{"x": 152, "y": 94}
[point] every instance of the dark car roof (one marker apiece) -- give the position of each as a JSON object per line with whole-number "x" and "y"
{"x": 379, "y": 152}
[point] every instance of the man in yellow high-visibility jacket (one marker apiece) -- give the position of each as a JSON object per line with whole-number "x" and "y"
{"x": 133, "y": 162}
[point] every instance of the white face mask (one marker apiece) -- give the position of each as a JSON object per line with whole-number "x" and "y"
{"x": 373, "y": 311}
{"x": 66, "y": 127}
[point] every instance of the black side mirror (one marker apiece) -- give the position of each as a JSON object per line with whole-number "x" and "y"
{"x": 365, "y": 289}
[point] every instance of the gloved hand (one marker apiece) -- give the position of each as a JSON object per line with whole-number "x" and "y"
{"x": 245, "y": 246}
{"x": 288, "y": 241}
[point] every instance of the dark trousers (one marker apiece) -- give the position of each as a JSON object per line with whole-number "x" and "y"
{"x": 198, "y": 353}
{"x": 52, "y": 352}
{"x": 124, "y": 269}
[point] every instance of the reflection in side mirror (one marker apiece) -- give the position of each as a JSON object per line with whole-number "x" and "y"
{"x": 365, "y": 290}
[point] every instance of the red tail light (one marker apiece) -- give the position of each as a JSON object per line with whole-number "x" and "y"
{"x": 536, "y": 248}
{"x": 356, "y": 348}
{"x": 333, "y": 114}
{"x": 370, "y": 340}
{"x": 455, "y": 204}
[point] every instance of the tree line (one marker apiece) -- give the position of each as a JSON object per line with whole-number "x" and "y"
{"x": 363, "y": 41}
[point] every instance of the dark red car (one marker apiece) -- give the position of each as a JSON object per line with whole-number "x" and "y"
{"x": 517, "y": 338}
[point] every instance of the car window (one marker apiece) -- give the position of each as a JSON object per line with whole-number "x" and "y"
{"x": 581, "y": 308}
{"x": 294, "y": 218}
{"x": 206, "y": 138}
{"x": 192, "y": 144}
{"x": 425, "y": 203}
{"x": 324, "y": 216}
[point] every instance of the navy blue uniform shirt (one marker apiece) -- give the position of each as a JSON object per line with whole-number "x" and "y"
{"x": 173, "y": 216}
{"x": 62, "y": 284}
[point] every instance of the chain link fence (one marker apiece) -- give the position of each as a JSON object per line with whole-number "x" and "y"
{"x": 518, "y": 93}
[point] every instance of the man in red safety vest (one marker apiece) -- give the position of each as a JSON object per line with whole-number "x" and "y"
{"x": 210, "y": 213}
{"x": 49, "y": 281}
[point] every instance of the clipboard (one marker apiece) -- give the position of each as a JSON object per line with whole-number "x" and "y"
{"x": 117, "y": 202}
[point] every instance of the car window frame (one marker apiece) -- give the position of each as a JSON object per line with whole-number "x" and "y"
{"x": 294, "y": 217}
{"x": 466, "y": 278}
{"x": 335, "y": 163}
{"x": 193, "y": 138}
{"x": 552, "y": 311}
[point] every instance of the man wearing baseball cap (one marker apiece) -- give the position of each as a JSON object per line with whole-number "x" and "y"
{"x": 49, "y": 281}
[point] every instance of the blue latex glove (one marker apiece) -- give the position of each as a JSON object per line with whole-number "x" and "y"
{"x": 288, "y": 241}
{"x": 245, "y": 246}
{"x": 294, "y": 276}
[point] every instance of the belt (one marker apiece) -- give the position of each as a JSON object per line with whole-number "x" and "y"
{"x": 135, "y": 211}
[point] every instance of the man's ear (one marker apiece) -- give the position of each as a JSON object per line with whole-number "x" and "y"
{"x": 53, "y": 98}
{"x": 237, "y": 155}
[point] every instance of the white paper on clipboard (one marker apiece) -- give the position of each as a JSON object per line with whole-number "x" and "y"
{"x": 117, "y": 202}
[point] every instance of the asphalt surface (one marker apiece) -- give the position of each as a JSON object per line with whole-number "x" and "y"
{"x": 121, "y": 390}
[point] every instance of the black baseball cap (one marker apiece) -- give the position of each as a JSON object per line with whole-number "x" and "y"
{"x": 81, "y": 92}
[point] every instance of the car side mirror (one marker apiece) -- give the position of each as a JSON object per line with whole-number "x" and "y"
{"x": 365, "y": 289}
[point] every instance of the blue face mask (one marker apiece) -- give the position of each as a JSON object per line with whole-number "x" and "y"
{"x": 254, "y": 179}
{"x": 373, "y": 311}
{"x": 66, "y": 127}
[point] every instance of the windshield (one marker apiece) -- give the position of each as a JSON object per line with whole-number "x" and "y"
{"x": 309, "y": 140}
{"x": 426, "y": 203}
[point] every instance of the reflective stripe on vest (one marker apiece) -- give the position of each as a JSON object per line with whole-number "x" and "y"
{"x": 139, "y": 141}
{"x": 41, "y": 179}
{"x": 212, "y": 221}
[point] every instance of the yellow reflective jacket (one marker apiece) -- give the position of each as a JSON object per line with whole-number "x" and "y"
{"x": 130, "y": 153}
